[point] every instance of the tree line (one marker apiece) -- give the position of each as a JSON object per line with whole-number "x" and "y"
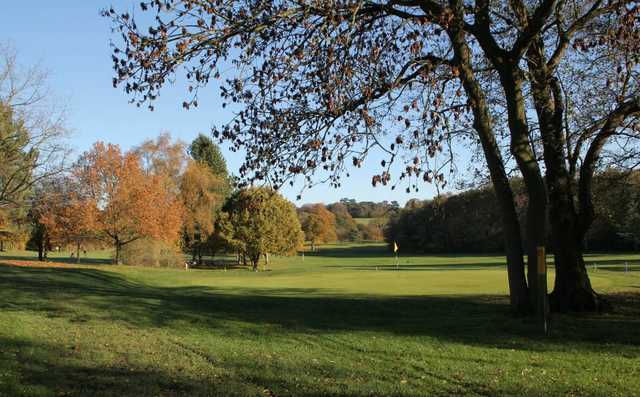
{"x": 469, "y": 222}
{"x": 149, "y": 204}
{"x": 336, "y": 221}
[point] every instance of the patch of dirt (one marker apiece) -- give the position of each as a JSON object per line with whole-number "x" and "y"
{"x": 25, "y": 263}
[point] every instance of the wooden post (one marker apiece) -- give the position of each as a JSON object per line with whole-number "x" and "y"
{"x": 542, "y": 301}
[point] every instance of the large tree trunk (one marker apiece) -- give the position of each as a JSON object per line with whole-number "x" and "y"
{"x": 572, "y": 290}
{"x": 483, "y": 124}
{"x": 511, "y": 79}
{"x": 77, "y": 251}
{"x": 521, "y": 149}
{"x": 118, "y": 258}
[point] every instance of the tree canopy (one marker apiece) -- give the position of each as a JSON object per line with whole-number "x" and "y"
{"x": 204, "y": 150}
{"x": 323, "y": 84}
{"x": 346, "y": 228}
{"x": 318, "y": 224}
{"x": 164, "y": 158}
{"x": 16, "y": 159}
{"x": 201, "y": 198}
{"x": 128, "y": 204}
{"x": 262, "y": 222}
{"x": 65, "y": 211}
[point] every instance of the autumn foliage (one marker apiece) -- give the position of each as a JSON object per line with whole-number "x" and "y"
{"x": 128, "y": 205}
{"x": 65, "y": 213}
{"x": 318, "y": 224}
{"x": 200, "y": 194}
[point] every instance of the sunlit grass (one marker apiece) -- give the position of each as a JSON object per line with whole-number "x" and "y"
{"x": 343, "y": 321}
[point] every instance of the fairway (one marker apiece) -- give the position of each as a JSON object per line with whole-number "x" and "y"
{"x": 342, "y": 321}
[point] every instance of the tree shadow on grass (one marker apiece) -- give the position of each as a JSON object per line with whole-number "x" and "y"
{"x": 476, "y": 320}
{"x": 33, "y": 367}
{"x": 43, "y": 368}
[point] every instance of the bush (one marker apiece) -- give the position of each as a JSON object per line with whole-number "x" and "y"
{"x": 152, "y": 253}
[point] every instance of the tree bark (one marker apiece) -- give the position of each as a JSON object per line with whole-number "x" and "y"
{"x": 527, "y": 163}
{"x": 511, "y": 78}
{"x": 572, "y": 289}
{"x": 77, "y": 251}
{"x": 483, "y": 124}
{"x": 118, "y": 258}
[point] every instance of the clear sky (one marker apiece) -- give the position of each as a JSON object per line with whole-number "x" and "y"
{"x": 71, "y": 40}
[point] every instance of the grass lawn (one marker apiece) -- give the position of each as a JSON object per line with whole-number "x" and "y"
{"x": 341, "y": 322}
{"x": 366, "y": 221}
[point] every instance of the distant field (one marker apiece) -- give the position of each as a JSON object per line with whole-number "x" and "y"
{"x": 342, "y": 321}
{"x": 366, "y": 221}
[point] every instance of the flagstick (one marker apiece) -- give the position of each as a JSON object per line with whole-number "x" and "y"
{"x": 395, "y": 251}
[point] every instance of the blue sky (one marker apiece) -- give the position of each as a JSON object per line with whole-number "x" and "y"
{"x": 71, "y": 40}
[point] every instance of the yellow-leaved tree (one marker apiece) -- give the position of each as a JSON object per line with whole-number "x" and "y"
{"x": 200, "y": 193}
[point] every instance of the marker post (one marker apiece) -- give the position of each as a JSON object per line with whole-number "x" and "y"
{"x": 542, "y": 300}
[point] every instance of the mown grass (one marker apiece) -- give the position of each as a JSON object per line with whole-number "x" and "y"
{"x": 341, "y": 322}
{"x": 366, "y": 221}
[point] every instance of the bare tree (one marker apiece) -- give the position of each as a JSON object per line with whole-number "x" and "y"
{"x": 31, "y": 146}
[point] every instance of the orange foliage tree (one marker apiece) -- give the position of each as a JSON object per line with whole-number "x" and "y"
{"x": 128, "y": 204}
{"x": 318, "y": 224}
{"x": 200, "y": 193}
{"x": 67, "y": 215}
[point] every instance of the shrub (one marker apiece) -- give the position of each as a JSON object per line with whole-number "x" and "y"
{"x": 152, "y": 253}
